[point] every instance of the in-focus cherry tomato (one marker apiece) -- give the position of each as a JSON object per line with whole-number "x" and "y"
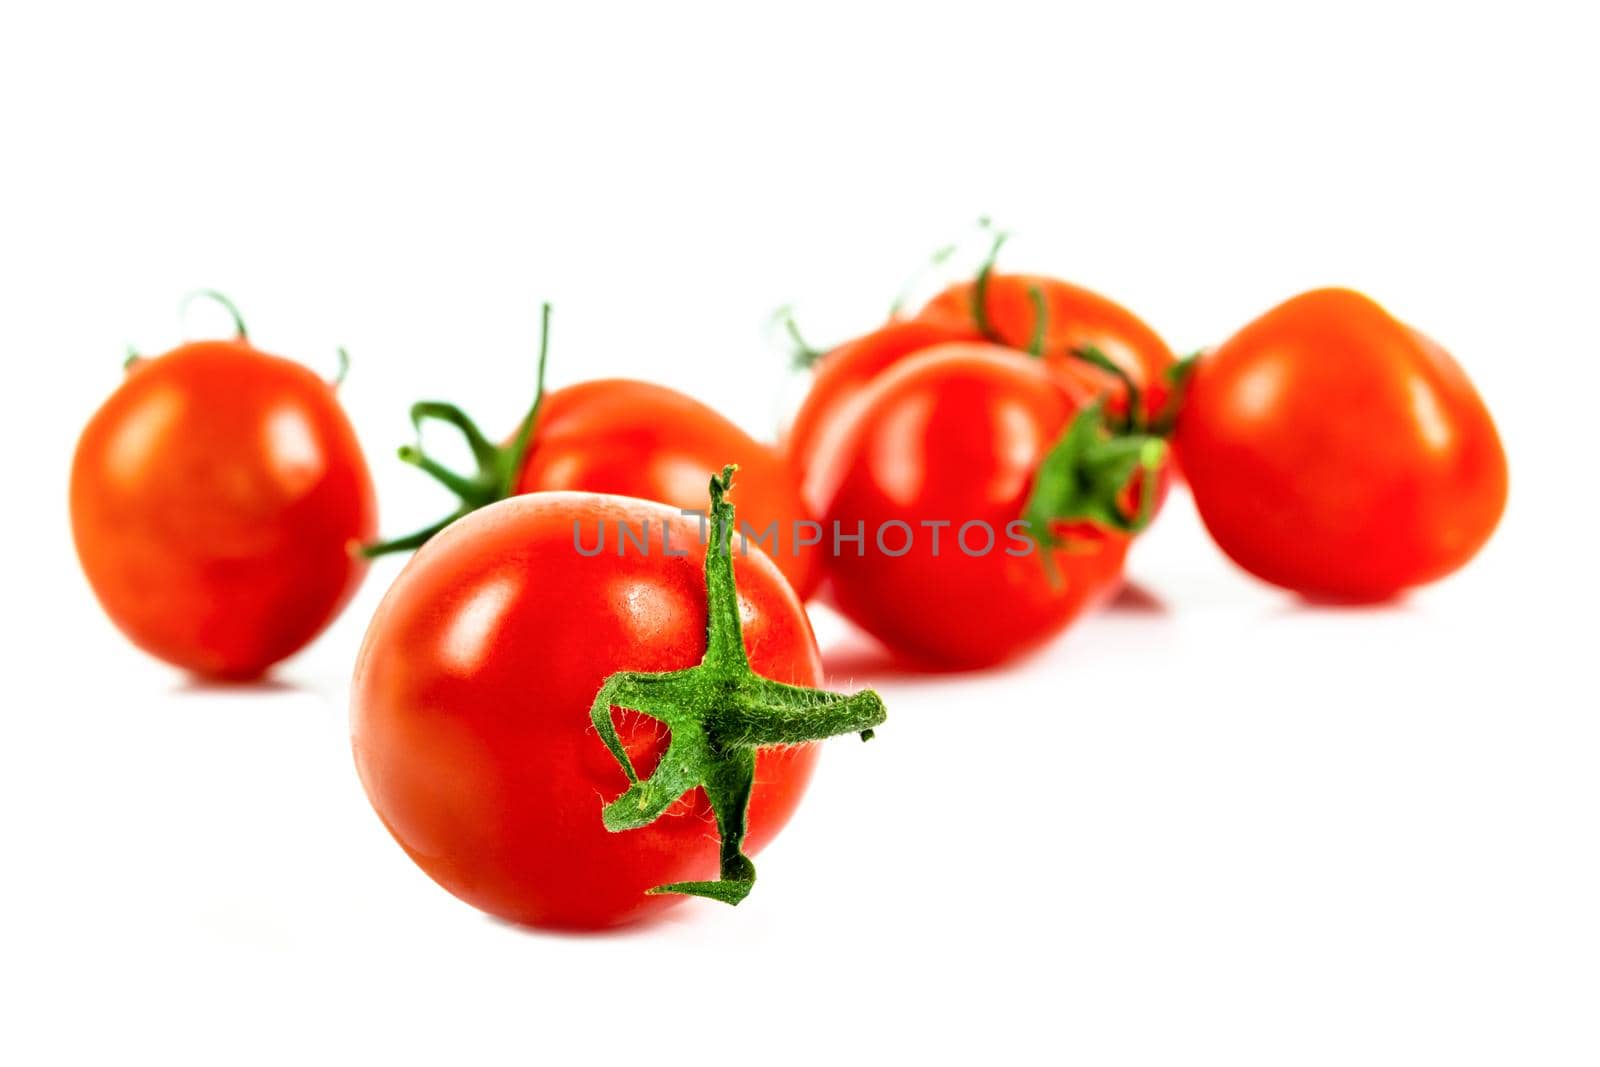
{"x": 481, "y": 727}
{"x": 637, "y": 439}
{"x": 218, "y": 499}
{"x": 1336, "y": 451}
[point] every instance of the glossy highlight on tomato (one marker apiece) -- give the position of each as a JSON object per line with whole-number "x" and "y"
{"x": 471, "y": 706}
{"x": 1335, "y": 451}
{"x": 218, "y": 498}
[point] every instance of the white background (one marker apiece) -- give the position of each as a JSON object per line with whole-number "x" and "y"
{"x": 1223, "y": 829}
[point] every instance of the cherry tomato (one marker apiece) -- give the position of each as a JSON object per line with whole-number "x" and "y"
{"x": 1336, "y": 451}
{"x": 472, "y": 706}
{"x": 958, "y": 435}
{"x": 217, "y": 499}
{"x": 635, "y": 439}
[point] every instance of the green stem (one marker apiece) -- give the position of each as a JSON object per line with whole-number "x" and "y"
{"x": 511, "y": 459}
{"x": 227, "y": 305}
{"x": 412, "y": 541}
{"x": 468, "y": 489}
{"x": 499, "y": 467}
{"x": 718, "y": 714}
{"x": 980, "y": 287}
{"x": 1036, "y": 342}
{"x": 802, "y": 355}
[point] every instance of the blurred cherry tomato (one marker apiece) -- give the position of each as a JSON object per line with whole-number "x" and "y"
{"x": 217, "y": 499}
{"x": 984, "y": 503}
{"x": 1336, "y": 451}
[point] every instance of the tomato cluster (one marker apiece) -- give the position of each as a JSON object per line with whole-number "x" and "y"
{"x": 593, "y": 690}
{"x": 977, "y": 414}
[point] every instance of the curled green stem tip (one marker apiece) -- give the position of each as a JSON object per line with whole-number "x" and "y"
{"x": 217, "y": 298}
{"x": 718, "y": 715}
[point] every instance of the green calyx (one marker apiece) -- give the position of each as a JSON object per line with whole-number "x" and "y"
{"x": 719, "y": 714}
{"x": 1086, "y": 475}
{"x": 498, "y": 465}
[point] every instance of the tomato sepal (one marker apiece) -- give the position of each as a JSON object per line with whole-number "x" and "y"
{"x": 498, "y": 465}
{"x": 1086, "y": 477}
{"x": 718, "y": 714}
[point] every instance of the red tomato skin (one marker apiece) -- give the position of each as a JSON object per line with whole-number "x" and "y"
{"x": 956, "y": 434}
{"x": 216, "y": 498}
{"x": 842, "y": 376}
{"x": 1075, "y": 317}
{"x": 638, "y": 439}
{"x": 1335, "y": 451}
{"x": 470, "y": 708}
